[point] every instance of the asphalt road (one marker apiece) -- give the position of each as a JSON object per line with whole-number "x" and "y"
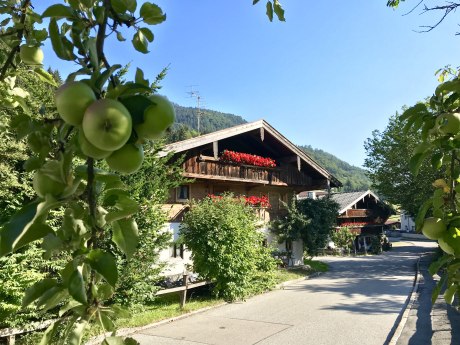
{"x": 357, "y": 302}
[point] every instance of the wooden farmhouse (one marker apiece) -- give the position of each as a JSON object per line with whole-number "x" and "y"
{"x": 293, "y": 171}
{"x": 364, "y": 214}
{"x": 358, "y": 209}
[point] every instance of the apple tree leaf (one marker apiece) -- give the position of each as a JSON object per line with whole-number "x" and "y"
{"x": 269, "y": 11}
{"x": 152, "y": 14}
{"x": 140, "y": 42}
{"x": 58, "y": 11}
{"x": 61, "y": 45}
{"x": 26, "y": 226}
{"x": 126, "y": 236}
{"x": 279, "y": 11}
{"x": 37, "y": 290}
{"x": 76, "y": 286}
{"x": 103, "y": 263}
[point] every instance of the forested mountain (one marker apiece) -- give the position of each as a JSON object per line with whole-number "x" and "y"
{"x": 210, "y": 120}
{"x": 353, "y": 178}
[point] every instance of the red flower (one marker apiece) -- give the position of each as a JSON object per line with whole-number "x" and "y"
{"x": 258, "y": 201}
{"x": 246, "y": 158}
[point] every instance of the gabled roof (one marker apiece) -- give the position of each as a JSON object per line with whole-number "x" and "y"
{"x": 201, "y": 140}
{"x": 347, "y": 200}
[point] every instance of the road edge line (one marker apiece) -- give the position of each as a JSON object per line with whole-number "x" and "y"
{"x": 407, "y": 307}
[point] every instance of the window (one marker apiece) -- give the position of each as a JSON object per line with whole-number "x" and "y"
{"x": 178, "y": 250}
{"x": 183, "y": 193}
{"x": 289, "y": 245}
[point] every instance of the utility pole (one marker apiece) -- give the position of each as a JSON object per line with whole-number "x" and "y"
{"x": 196, "y": 94}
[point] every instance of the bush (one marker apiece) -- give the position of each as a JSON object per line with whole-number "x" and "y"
{"x": 227, "y": 248}
{"x": 343, "y": 238}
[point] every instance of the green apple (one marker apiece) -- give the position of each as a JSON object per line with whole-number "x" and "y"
{"x": 126, "y": 160}
{"x": 31, "y": 55}
{"x": 107, "y": 124}
{"x": 157, "y": 118}
{"x": 89, "y": 149}
{"x": 72, "y": 100}
{"x": 45, "y": 183}
{"x": 433, "y": 228}
{"x": 448, "y": 123}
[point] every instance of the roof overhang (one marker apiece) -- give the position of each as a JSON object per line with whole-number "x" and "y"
{"x": 262, "y": 125}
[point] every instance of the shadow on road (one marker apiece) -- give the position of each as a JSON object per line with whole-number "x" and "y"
{"x": 377, "y": 278}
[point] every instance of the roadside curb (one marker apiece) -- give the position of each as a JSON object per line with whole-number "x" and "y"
{"x": 128, "y": 331}
{"x": 402, "y": 318}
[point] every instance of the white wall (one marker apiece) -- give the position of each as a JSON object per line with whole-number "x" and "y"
{"x": 297, "y": 246}
{"x": 407, "y": 222}
{"x": 177, "y": 265}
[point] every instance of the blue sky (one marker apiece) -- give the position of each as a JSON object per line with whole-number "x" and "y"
{"x": 327, "y": 77}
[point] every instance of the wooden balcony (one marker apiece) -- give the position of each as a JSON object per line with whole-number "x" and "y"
{"x": 356, "y": 213}
{"x": 210, "y": 168}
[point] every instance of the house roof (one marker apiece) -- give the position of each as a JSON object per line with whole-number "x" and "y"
{"x": 262, "y": 125}
{"x": 347, "y": 200}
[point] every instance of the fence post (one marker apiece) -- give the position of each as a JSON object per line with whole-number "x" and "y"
{"x": 11, "y": 340}
{"x": 183, "y": 295}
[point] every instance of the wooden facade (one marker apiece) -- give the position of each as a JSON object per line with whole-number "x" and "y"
{"x": 294, "y": 172}
{"x": 211, "y": 168}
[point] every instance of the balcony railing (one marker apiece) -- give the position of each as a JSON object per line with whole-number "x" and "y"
{"x": 356, "y": 213}
{"x": 211, "y": 168}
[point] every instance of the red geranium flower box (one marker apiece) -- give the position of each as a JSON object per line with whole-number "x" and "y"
{"x": 228, "y": 156}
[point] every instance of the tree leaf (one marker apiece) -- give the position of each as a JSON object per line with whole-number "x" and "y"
{"x": 105, "y": 321}
{"x": 152, "y": 14}
{"x": 139, "y": 78}
{"x": 416, "y": 161}
{"x": 422, "y": 213}
{"x": 126, "y": 236}
{"x": 148, "y": 34}
{"x": 255, "y": 2}
{"x": 120, "y": 37}
{"x": 62, "y": 50}
{"x": 438, "y": 288}
{"x": 92, "y": 50}
{"x": 435, "y": 266}
{"x": 279, "y": 11}
{"x": 123, "y": 204}
{"x": 58, "y": 11}
{"x": 103, "y": 263}
{"x": 416, "y": 110}
{"x": 131, "y": 5}
{"x": 26, "y": 226}
{"x": 119, "y": 6}
{"x": 270, "y": 11}
{"x": 76, "y": 335}
{"x": 448, "y": 86}
{"x": 45, "y": 76}
{"x": 140, "y": 42}
{"x": 121, "y": 312}
{"x": 76, "y": 286}
{"x": 50, "y": 332}
{"x": 52, "y": 297}
{"x": 37, "y": 290}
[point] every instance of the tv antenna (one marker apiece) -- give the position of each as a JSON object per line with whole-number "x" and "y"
{"x": 199, "y": 102}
